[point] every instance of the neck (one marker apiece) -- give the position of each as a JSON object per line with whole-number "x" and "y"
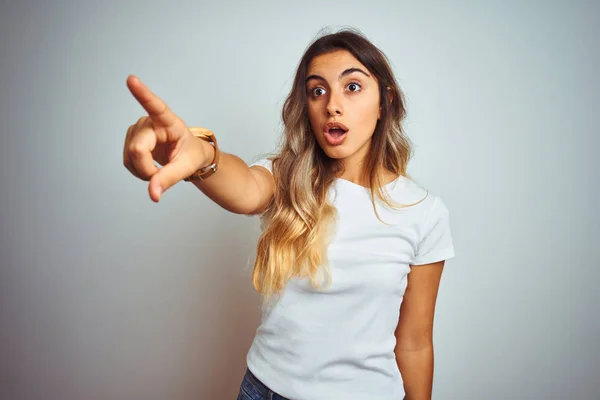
{"x": 353, "y": 172}
{"x": 353, "y": 166}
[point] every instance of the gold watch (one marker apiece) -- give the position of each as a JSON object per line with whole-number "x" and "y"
{"x": 207, "y": 171}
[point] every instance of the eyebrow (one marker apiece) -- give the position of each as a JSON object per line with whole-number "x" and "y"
{"x": 346, "y": 72}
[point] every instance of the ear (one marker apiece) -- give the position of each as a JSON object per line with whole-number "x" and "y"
{"x": 390, "y": 97}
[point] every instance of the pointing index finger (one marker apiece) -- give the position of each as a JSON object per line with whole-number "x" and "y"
{"x": 154, "y": 106}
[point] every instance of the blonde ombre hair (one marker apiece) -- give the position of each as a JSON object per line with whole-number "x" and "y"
{"x": 299, "y": 221}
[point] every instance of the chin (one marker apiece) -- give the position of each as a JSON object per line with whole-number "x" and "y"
{"x": 337, "y": 152}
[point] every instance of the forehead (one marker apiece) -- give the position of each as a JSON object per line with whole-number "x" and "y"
{"x": 330, "y": 65}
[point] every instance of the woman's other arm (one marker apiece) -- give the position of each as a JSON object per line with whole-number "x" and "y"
{"x": 414, "y": 333}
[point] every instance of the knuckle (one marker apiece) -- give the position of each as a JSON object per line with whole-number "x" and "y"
{"x": 132, "y": 170}
{"x": 137, "y": 172}
{"x": 148, "y": 123}
{"x": 136, "y": 150}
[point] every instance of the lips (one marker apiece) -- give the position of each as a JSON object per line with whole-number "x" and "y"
{"x": 335, "y": 133}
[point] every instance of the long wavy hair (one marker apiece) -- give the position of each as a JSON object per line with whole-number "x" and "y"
{"x": 300, "y": 219}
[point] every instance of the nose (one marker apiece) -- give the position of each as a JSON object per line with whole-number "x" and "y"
{"x": 334, "y": 106}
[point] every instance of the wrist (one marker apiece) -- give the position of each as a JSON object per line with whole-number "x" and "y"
{"x": 207, "y": 152}
{"x": 208, "y": 159}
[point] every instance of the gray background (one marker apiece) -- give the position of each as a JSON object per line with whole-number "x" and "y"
{"x": 106, "y": 295}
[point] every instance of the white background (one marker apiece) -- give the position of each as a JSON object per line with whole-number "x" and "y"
{"x": 106, "y": 295}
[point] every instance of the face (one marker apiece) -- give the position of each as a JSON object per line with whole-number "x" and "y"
{"x": 341, "y": 90}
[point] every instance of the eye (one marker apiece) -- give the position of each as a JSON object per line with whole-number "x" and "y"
{"x": 318, "y": 91}
{"x": 354, "y": 86}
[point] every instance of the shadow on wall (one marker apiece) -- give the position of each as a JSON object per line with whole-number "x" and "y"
{"x": 226, "y": 336}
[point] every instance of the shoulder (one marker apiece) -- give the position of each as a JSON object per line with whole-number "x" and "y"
{"x": 432, "y": 223}
{"x": 266, "y": 163}
{"x": 424, "y": 204}
{"x": 408, "y": 192}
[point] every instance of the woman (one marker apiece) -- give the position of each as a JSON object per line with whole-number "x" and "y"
{"x": 352, "y": 250}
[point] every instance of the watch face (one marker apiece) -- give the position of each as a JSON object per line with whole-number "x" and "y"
{"x": 209, "y": 136}
{"x": 197, "y": 131}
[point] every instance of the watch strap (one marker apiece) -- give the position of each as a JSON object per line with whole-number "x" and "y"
{"x": 210, "y": 169}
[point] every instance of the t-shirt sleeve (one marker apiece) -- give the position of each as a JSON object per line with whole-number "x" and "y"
{"x": 264, "y": 162}
{"x": 436, "y": 239}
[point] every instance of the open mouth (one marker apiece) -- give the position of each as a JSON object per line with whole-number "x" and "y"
{"x": 335, "y": 133}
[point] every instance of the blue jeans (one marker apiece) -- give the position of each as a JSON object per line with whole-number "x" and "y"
{"x": 253, "y": 389}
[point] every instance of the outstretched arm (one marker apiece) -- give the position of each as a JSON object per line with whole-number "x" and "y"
{"x": 163, "y": 136}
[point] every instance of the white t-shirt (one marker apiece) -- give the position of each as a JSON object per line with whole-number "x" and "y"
{"x": 338, "y": 343}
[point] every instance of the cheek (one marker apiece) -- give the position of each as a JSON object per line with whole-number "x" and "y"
{"x": 314, "y": 117}
{"x": 368, "y": 115}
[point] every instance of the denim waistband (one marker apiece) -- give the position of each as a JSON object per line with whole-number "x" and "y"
{"x": 262, "y": 388}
